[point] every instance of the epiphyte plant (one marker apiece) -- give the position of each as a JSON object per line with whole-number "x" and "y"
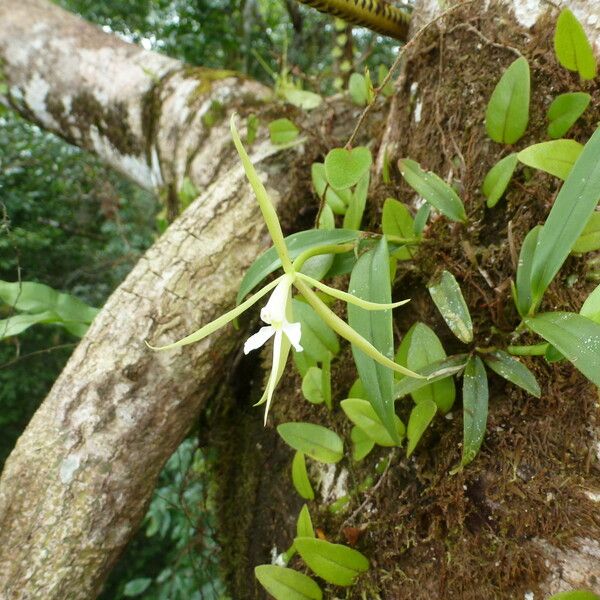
{"x": 278, "y": 312}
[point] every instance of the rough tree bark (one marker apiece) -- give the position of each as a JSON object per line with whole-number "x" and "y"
{"x": 77, "y": 484}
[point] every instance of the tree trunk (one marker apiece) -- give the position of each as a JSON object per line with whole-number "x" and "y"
{"x": 522, "y": 518}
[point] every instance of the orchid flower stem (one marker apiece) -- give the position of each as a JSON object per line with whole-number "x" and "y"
{"x": 266, "y": 206}
{"x": 327, "y": 249}
{"x": 350, "y": 298}
{"x": 342, "y": 328}
{"x": 221, "y": 321}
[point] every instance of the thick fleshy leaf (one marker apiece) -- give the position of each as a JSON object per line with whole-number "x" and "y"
{"x": 316, "y": 441}
{"x": 30, "y": 297}
{"x": 420, "y": 418}
{"x": 447, "y": 296}
{"x": 475, "y": 408}
{"x": 362, "y": 444}
{"x": 357, "y": 203}
{"x": 507, "y": 112}
{"x": 370, "y": 280}
{"x": 522, "y": 292}
{"x": 591, "y": 306}
{"x": 573, "y": 49}
{"x": 296, "y": 244}
{"x": 556, "y": 157}
{"x": 317, "y": 338}
{"x": 300, "y": 477}
{"x": 334, "y": 563}
{"x": 564, "y": 111}
{"x": 433, "y": 189}
{"x": 570, "y": 213}
{"x": 433, "y": 372}
{"x": 575, "y": 336}
{"x": 361, "y": 413}
{"x": 286, "y": 584}
{"x": 589, "y": 240}
{"x": 513, "y": 370}
{"x": 282, "y": 131}
{"x": 425, "y": 348}
{"x": 344, "y": 168}
{"x": 304, "y": 526}
{"x": 397, "y": 220}
{"x": 402, "y": 353}
{"x": 498, "y": 178}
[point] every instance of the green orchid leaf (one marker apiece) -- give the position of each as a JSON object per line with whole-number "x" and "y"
{"x": 370, "y": 280}
{"x": 574, "y": 336}
{"x": 317, "y": 266}
{"x": 425, "y": 349}
{"x": 296, "y": 244}
{"x": 344, "y": 168}
{"x": 357, "y": 203}
{"x": 318, "y": 340}
{"x": 18, "y": 323}
{"x": 337, "y": 200}
{"x": 362, "y": 444}
{"x": 447, "y": 296}
{"x": 589, "y": 240}
{"x": 286, "y": 584}
{"x": 312, "y": 388}
{"x": 570, "y": 213}
{"x": 357, "y": 87}
{"x": 30, "y": 297}
{"x": 512, "y": 370}
{"x": 564, "y": 111}
{"x": 326, "y": 219}
{"x": 556, "y": 157}
{"x": 402, "y": 353}
{"x": 552, "y": 354}
{"x": 282, "y": 131}
{"x": 334, "y": 563}
{"x": 497, "y": 179}
{"x": 420, "y": 418}
{"x": 397, "y": 221}
{"x": 304, "y": 526}
{"x": 300, "y": 477}
{"x": 507, "y": 112}
{"x": 421, "y": 218}
{"x": 475, "y": 408}
{"x": 572, "y": 47}
{"x": 432, "y": 373}
{"x": 358, "y": 390}
{"x": 316, "y": 441}
{"x": 361, "y": 413}
{"x": 591, "y": 306}
{"x": 433, "y": 189}
{"x": 523, "y": 294}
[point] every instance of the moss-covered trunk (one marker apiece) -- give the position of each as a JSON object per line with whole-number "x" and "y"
{"x": 523, "y": 517}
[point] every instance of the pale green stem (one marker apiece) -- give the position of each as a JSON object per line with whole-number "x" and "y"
{"x": 221, "y": 321}
{"x": 343, "y": 329}
{"x": 535, "y": 350}
{"x": 318, "y": 250}
{"x": 266, "y": 207}
{"x": 350, "y": 298}
{"x": 406, "y": 241}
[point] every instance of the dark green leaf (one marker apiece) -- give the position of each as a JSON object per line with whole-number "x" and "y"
{"x": 573, "y": 49}
{"x": 300, "y": 477}
{"x": 344, "y": 168}
{"x": 433, "y": 189}
{"x": 334, "y": 563}
{"x": 135, "y": 587}
{"x": 420, "y": 418}
{"x": 446, "y": 295}
{"x": 316, "y": 441}
{"x": 475, "y": 408}
{"x": 370, "y": 280}
{"x": 318, "y": 340}
{"x": 523, "y": 294}
{"x": 507, "y": 112}
{"x": 556, "y": 157}
{"x": 286, "y": 584}
{"x": 564, "y": 111}
{"x": 512, "y": 370}
{"x": 402, "y": 353}
{"x": 498, "y": 178}
{"x": 575, "y": 336}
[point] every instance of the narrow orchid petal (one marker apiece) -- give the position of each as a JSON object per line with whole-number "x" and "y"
{"x": 258, "y": 339}
{"x": 343, "y": 329}
{"x": 350, "y": 298}
{"x": 293, "y": 331}
{"x": 221, "y": 321}
{"x": 266, "y": 206}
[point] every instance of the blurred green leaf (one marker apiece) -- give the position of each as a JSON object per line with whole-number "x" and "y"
{"x": 282, "y": 131}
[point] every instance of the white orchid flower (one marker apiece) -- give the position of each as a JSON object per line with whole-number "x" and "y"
{"x": 277, "y": 314}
